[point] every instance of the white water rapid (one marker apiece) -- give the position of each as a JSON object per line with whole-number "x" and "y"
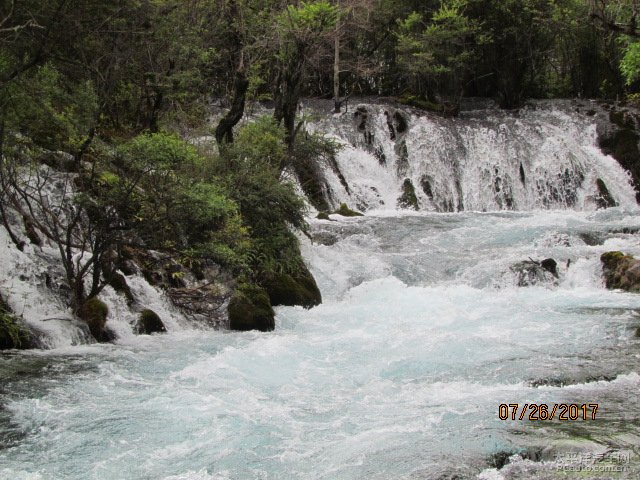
{"x": 399, "y": 374}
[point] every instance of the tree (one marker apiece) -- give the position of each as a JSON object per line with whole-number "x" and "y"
{"x": 441, "y": 51}
{"x": 300, "y": 30}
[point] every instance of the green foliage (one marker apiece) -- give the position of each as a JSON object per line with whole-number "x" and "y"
{"x": 174, "y": 207}
{"x": 260, "y": 143}
{"x": 269, "y": 206}
{"x": 13, "y": 333}
{"x": 54, "y": 111}
{"x": 308, "y": 154}
{"x": 443, "y": 48}
{"x": 630, "y": 63}
{"x": 160, "y": 151}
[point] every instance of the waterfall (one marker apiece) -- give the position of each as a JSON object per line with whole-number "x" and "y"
{"x": 32, "y": 285}
{"x": 541, "y": 157}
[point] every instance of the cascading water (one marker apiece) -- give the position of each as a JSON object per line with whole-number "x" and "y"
{"x": 537, "y": 158}
{"x": 423, "y": 333}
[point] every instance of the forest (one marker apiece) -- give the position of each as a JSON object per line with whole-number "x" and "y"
{"x": 121, "y": 87}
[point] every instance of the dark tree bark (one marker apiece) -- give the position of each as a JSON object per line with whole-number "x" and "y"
{"x": 224, "y": 130}
{"x": 287, "y": 97}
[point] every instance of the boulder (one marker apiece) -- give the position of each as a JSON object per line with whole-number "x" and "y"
{"x": 604, "y": 198}
{"x": 295, "y": 289}
{"x": 620, "y": 139}
{"x": 408, "y": 198}
{"x": 621, "y": 271}
{"x": 149, "y": 322}
{"x": 250, "y": 309}
{"x": 530, "y": 272}
{"x": 94, "y": 313}
{"x": 118, "y": 282}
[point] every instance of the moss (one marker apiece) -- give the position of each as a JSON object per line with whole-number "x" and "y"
{"x": 323, "y": 216}
{"x": 298, "y": 289}
{"x": 13, "y": 333}
{"x": 408, "y": 198}
{"x": 638, "y": 332}
{"x": 149, "y": 322}
{"x": 94, "y": 313}
{"x": 250, "y": 309}
{"x": 345, "y": 211}
{"x": 620, "y": 271}
{"x": 611, "y": 259}
{"x": 119, "y": 284}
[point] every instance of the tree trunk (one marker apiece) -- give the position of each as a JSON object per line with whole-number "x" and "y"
{"x": 287, "y": 96}
{"x": 224, "y": 131}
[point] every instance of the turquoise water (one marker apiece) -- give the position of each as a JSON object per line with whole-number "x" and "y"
{"x": 399, "y": 374}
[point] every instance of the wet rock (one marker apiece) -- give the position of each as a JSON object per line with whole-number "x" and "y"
{"x": 592, "y": 238}
{"x": 94, "y": 313}
{"x": 400, "y": 122}
{"x": 550, "y": 265}
{"x": 621, "y": 271}
{"x": 295, "y": 289}
{"x": 402, "y": 154}
{"x": 425, "y": 183}
{"x": 604, "y": 198}
{"x": 619, "y": 138}
{"x": 118, "y": 282}
{"x": 149, "y": 322}
{"x": 325, "y": 238}
{"x": 408, "y": 198}
{"x": 250, "y": 309}
{"x": 530, "y": 272}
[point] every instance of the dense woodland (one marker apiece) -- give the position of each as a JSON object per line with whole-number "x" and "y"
{"x": 121, "y": 87}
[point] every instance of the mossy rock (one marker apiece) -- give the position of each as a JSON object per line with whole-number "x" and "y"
{"x": 345, "y": 211}
{"x": 408, "y": 199}
{"x": 621, "y": 271}
{"x": 290, "y": 290}
{"x": 118, "y": 282}
{"x": 149, "y": 322}
{"x": 323, "y": 216}
{"x": 94, "y": 313}
{"x": 250, "y": 309}
{"x": 13, "y": 333}
{"x": 611, "y": 259}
